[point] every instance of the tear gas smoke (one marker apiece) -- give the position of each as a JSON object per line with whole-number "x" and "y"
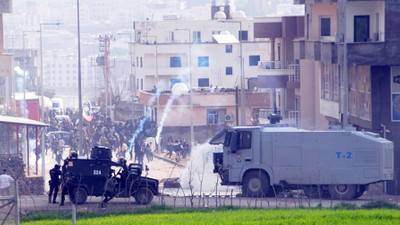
{"x": 143, "y": 121}
{"x": 177, "y": 90}
{"x": 199, "y": 170}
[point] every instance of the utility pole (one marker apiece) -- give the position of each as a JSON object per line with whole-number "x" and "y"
{"x": 105, "y": 62}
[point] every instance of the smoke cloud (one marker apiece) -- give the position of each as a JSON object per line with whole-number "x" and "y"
{"x": 198, "y": 172}
{"x": 143, "y": 121}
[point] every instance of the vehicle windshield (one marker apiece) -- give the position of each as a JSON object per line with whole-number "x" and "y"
{"x": 218, "y": 139}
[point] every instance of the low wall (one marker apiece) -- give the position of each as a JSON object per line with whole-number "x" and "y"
{"x": 15, "y": 167}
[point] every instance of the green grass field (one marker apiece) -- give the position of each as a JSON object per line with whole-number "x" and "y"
{"x": 242, "y": 216}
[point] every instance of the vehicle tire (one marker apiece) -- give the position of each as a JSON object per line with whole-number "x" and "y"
{"x": 80, "y": 195}
{"x": 255, "y": 184}
{"x": 343, "y": 191}
{"x": 360, "y": 191}
{"x": 144, "y": 196}
{"x": 312, "y": 191}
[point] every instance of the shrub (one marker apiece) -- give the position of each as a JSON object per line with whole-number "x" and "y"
{"x": 379, "y": 204}
{"x": 346, "y": 205}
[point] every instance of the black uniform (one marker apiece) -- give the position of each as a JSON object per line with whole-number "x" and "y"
{"x": 67, "y": 185}
{"x": 54, "y": 182}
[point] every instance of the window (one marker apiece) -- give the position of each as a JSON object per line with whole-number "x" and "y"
{"x": 244, "y": 138}
{"x": 325, "y": 28}
{"x": 175, "y": 62}
{"x": 196, "y": 36}
{"x": 141, "y": 63}
{"x": 360, "y": 92}
{"x": 228, "y": 70}
{"x": 253, "y": 60}
{"x": 361, "y": 28}
{"x": 330, "y": 82}
{"x": 203, "y": 61}
{"x": 215, "y": 116}
{"x": 174, "y": 81}
{"x": 203, "y": 82}
{"x": 228, "y": 48}
{"x": 243, "y": 35}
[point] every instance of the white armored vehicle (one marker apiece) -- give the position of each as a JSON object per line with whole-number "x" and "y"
{"x": 336, "y": 163}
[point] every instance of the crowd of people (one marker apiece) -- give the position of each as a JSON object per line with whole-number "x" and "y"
{"x": 97, "y": 130}
{"x": 100, "y": 130}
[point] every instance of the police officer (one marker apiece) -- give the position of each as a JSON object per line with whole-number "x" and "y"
{"x": 67, "y": 186}
{"x": 109, "y": 189}
{"x": 54, "y": 182}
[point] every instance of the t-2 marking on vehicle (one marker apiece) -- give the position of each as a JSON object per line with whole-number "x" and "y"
{"x": 343, "y": 155}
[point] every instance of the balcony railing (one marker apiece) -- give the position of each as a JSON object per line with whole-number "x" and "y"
{"x": 270, "y": 65}
{"x": 294, "y": 118}
{"x": 294, "y": 73}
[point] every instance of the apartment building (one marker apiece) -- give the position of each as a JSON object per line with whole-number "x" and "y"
{"x": 213, "y": 57}
{"x": 349, "y": 68}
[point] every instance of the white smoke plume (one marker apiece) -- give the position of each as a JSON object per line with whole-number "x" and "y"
{"x": 177, "y": 90}
{"x": 198, "y": 172}
{"x": 143, "y": 121}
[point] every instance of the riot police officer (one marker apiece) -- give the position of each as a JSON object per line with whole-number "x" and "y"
{"x": 67, "y": 185}
{"x": 54, "y": 182}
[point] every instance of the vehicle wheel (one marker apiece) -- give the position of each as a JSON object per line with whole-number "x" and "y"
{"x": 144, "y": 196}
{"x": 80, "y": 195}
{"x": 255, "y": 184}
{"x": 343, "y": 191}
{"x": 312, "y": 191}
{"x": 360, "y": 192}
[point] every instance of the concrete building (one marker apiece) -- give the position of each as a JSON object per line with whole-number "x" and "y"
{"x": 280, "y": 74}
{"x": 167, "y": 51}
{"x": 6, "y": 66}
{"x": 201, "y": 54}
{"x": 349, "y": 68}
{"x": 206, "y": 55}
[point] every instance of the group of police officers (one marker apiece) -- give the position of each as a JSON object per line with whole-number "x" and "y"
{"x": 65, "y": 179}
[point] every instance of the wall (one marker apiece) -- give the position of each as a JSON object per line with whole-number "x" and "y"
{"x": 32, "y": 185}
{"x": 319, "y": 10}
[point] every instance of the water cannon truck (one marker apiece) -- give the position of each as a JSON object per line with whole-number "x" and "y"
{"x": 336, "y": 163}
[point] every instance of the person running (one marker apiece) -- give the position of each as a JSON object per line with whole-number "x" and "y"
{"x": 109, "y": 190}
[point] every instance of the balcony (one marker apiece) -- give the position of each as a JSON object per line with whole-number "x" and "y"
{"x": 372, "y": 53}
{"x": 270, "y": 65}
{"x": 294, "y": 76}
{"x": 289, "y": 118}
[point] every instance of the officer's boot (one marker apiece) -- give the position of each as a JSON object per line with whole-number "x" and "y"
{"x": 49, "y": 198}
{"x": 54, "y": 200}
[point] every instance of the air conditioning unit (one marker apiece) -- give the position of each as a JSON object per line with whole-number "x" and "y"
{"x": 229, "y": 117}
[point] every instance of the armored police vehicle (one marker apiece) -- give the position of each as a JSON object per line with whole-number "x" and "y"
{"x": 335, "y": 163}
{"x": 91, "y": 175}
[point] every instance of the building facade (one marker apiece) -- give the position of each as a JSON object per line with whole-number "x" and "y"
{"x": 349, "y": 66}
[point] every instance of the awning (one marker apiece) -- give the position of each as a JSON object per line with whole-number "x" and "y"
{"x": 225, "y": 38}
{"x": 21, "y": 121}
